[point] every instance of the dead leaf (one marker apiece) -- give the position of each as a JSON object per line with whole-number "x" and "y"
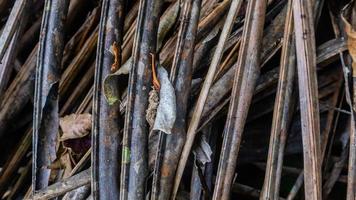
{"x": 75, "y": 126}
{"x": 67, "y": 163}
{"x": 110, "y": 86}
{"x": 64, "y": 162}
{"x": 166, "y": 111}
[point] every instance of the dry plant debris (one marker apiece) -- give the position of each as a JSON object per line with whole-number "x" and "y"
{"x": 177, "y": 99}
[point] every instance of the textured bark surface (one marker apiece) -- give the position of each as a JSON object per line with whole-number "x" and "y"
{"x": 177, "y": 99}
{"x": 46, "y": 118}
{"x": 106, "y": 116}
{"x": 134, "y": 169}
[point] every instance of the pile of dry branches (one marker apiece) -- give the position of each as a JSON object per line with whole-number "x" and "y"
{"x": 177, "y": 99}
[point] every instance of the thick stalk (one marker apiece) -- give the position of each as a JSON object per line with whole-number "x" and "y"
{"x": 63, "y": 186}
{"x": 106, "y": 116}
{"x": 308, "y": 93}
{"x": 46, "y": 120}
{"x": 134, "y": 170}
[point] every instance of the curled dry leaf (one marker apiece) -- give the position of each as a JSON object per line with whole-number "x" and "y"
{"x": 166, "y": 111}
{"x": 110, "y": 83}
{"x": 75, "y": 126}
{"x": 161, "y": 112}
{"x": 67, "y": 163}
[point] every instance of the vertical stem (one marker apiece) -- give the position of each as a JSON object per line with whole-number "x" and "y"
{"x": 308, "y": 93}
{"x": 134, "y": 169}
{"x": 106, "y": 116}
{"x": 46, "y": 120}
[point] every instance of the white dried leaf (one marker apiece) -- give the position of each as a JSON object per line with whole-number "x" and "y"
{"x": 166, "y": 111}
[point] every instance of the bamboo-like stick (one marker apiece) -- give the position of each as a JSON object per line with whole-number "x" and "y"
{"x": 46, "y": 120}
{"x": 63, "y": 186}
{"x": 222, "y": 86}
{"x": 326, "y": 51}
{"x": 134, "y": 168}
{"x": 308, "y": 93}
{"x": 325, "y": 135}
{"x": 106, "y": 116}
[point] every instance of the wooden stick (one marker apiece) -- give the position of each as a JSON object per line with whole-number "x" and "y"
{"x": 63, "y": 186}
{"x": 134, "y": 168}
{"x": 308, "y": 93}
{"x": 46, "y": 119}
{"x": 106, "y": 115}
